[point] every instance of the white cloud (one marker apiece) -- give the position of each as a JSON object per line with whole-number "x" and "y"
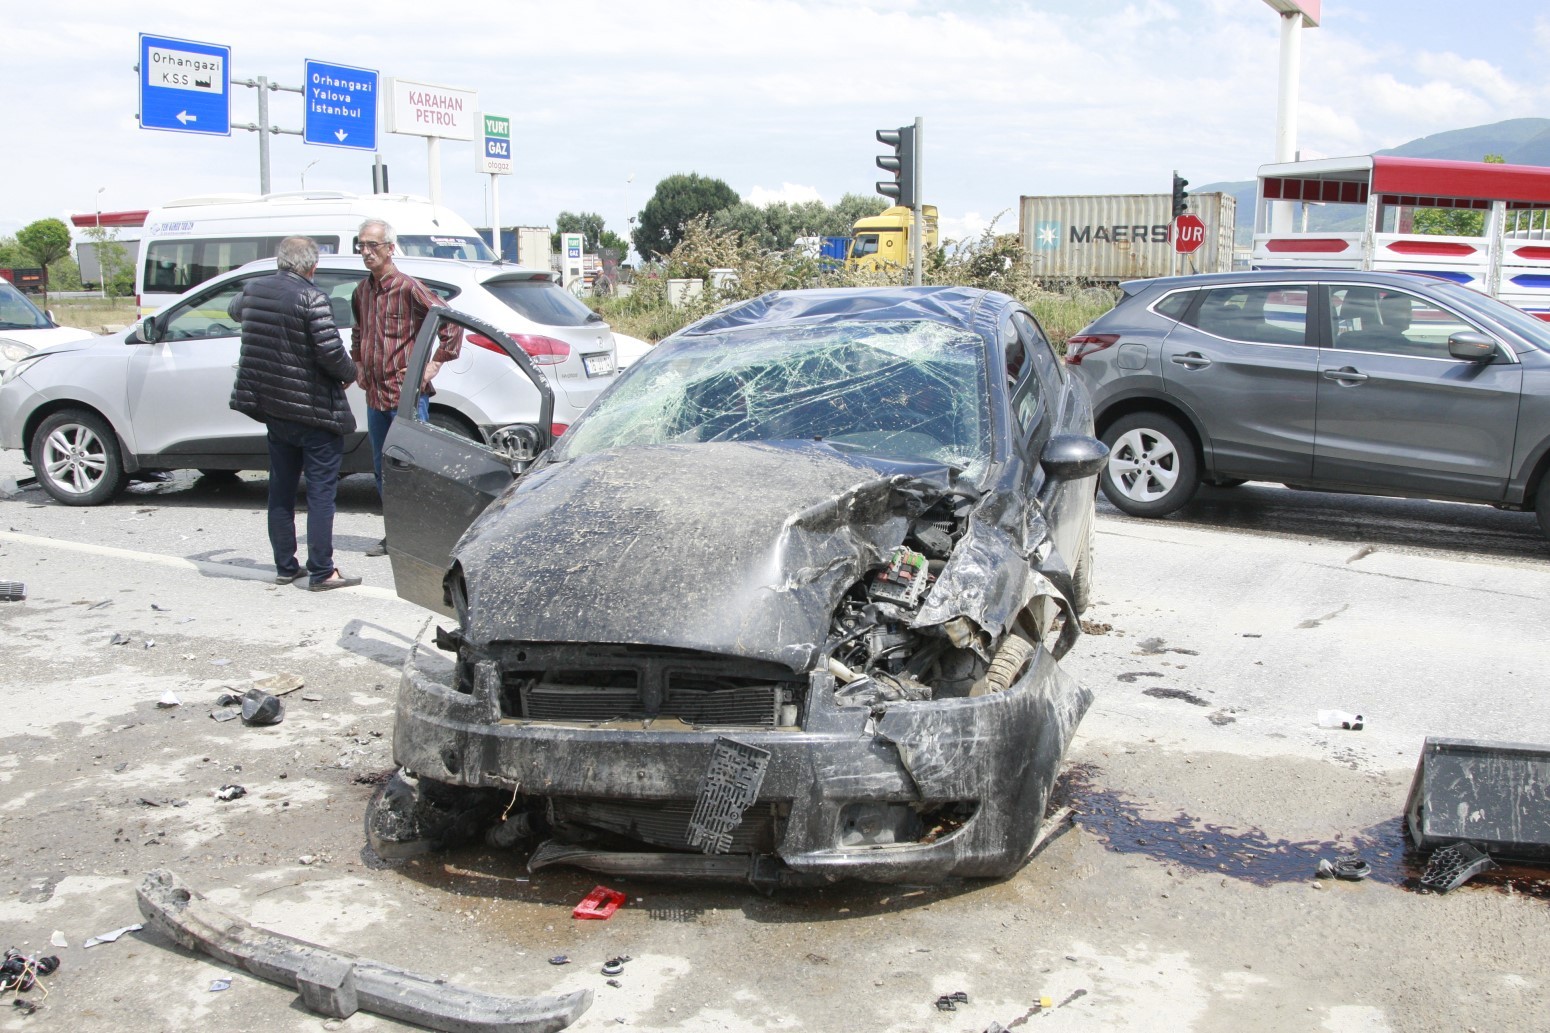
{"x": 791, "y": 193}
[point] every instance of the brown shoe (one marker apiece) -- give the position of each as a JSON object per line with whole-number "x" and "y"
{"x": 334, "y": 580}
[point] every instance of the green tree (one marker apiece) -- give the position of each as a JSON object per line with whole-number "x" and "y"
{"x": 588, "y": 224}
{"x": 611, "y": 241}
{"x": 114, "y": 267}
{"x": 46, "y": 241}
{"x": 12, "y": 253}
{"x": 678, "y": 199}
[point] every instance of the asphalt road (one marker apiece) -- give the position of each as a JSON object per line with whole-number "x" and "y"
{"x": 1182, "y": 898}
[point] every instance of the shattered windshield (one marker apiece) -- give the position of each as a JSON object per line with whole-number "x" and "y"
{"x": 906, "y": 389}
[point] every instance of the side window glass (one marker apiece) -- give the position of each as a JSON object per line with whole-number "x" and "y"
{"x": 1272, "y": 314}
{"x": 1175, "y": 305}
{"x": 339, "y": 285}
{"x": 1377, "y": 319}
{"x": 206, "y": 316}
{"x": 1051, "y": 371}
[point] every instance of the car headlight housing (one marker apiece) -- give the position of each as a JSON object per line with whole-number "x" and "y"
{"x": 13, "y": 351}
{"x": 17, "y": 368}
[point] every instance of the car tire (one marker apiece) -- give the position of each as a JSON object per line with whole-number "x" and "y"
{"x": 1152, "y": 470}
{"x": 76, "y": 458}
{"x": 1228, "y": 482}
{"x": 453, "y": 424}
{"x": 1082, "y": 579}
{"x": 1542, "y": 504}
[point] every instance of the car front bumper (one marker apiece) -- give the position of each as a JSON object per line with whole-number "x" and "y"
{"x": 993, "y": 758}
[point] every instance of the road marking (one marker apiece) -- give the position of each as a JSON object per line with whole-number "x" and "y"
{"x": 207, "y": 567}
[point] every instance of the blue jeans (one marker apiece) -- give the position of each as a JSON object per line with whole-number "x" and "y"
{"x": 295, "y": 448}
{"x": 377, "y": 424}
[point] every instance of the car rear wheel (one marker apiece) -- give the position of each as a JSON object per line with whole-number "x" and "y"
{"x": 1152, "y": 469}
{"x": 75, "y": 456}
{"x": 453, "y": 424}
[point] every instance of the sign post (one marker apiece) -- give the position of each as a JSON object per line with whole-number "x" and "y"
{"x": 341, "y": 106}
{"x": 185, "y": 87}
{"x": 495, "y": 158}
{"x": 572, "y": 271}
{"x": 434, "y": 112}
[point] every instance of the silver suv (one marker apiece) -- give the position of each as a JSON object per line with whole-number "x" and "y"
{"x": 1376, "y": 383}
{"x": 89, "y": 414}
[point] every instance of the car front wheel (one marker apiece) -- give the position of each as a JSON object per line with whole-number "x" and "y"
{"x": 75, "y": 456}
{"x": 1152, "y": 469}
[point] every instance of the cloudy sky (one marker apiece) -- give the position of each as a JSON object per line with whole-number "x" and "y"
{"x": 779, "y": 98}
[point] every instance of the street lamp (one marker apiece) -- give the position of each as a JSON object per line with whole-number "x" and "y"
{"x": 304, "y": 172}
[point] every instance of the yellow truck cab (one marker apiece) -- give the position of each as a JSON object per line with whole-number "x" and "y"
{"x": 883, "y": 241}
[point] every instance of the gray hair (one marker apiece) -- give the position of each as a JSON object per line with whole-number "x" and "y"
{"x": 297, "y": 255}
{"x": 389, "y": 234}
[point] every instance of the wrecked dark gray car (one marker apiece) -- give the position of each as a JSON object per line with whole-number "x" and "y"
{"x": 783, "y": 607}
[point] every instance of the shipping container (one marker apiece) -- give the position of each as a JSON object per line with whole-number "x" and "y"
{"x": 533, "y": 247}
{"x": 1113, "y": 237}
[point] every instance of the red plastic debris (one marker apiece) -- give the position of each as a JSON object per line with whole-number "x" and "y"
{"x": 602, "y": 902}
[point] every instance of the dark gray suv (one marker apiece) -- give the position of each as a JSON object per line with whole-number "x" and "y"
{"x": 1378, "y": 383}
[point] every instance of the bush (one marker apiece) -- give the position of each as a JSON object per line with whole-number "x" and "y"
{"x": 992, "y": 261}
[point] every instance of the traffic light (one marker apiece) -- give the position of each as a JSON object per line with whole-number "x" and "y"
{"x": 901, "y": 163}
{"x": 1180, "y": 202}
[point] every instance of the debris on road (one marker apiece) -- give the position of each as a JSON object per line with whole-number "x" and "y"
{"x": 58, "y": 939}
{"x": 614, "y": 966}
{"x": 336, "y": 983}
{"x": 1340, "y": 719}
{"x": 1452, "y": 866}
{"x": 169, "y": 699}
{"x": 217, "y": 985}
{"x": 1351, "y": 868}
{"x": 559, "y": 959}
{"x": 950, "y": 1002}
{"x": 280, "y": 684}
{"x": 261, "y": 708}
{"x": 119, "y": 639}
{"x": 112, "y": 936}
{"x": 231, "y": 792}
{"x": 12, "y": 591}
{"x": 19, "y": 972}
{"x": 601, "y": 903}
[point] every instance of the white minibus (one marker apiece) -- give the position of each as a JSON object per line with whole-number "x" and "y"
{"x": 188, "y": 241}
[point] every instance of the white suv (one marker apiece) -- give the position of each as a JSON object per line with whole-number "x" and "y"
{"x": 89, "y": 414}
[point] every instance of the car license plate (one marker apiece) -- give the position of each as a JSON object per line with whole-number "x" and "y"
{"x": 600, "y": 365}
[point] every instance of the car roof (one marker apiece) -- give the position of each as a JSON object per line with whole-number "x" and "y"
{"x": 1280, "y": 276}
{"x": 437, "y": 266}
{"x": 956, "y": 306}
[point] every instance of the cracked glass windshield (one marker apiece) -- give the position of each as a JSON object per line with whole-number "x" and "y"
{"x": 911, "y": 389}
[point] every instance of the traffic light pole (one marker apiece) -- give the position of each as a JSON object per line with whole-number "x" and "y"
{"x": 920, "y": 209}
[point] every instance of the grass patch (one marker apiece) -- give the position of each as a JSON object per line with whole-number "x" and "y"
{"x": 94, "y": 314}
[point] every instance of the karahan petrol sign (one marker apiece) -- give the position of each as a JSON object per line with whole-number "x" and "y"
{"x": 495, "y": 156}
{"x": 425, "y": 109}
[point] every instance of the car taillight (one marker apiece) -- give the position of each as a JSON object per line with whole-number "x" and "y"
{"x": 544, "y": 351}
{"x": 1083, "y": 345}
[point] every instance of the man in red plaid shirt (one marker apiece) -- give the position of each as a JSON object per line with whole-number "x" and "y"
{"x": 389, "y": 307}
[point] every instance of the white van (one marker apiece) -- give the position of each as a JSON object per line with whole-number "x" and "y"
{"x": 187, "y": 242}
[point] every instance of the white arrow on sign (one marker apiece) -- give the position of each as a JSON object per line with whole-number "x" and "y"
{"x": 186, "y": 118}
{"x": 340, "y": 134}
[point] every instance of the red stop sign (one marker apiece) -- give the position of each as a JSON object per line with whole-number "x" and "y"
{"x": 1188, "y": 233}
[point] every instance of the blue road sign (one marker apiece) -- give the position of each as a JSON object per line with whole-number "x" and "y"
{"x": 185, "y": 87}
{"x": 341, "y": 106}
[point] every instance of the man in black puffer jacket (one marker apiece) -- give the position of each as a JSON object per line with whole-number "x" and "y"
{"x": 292, "y": 376}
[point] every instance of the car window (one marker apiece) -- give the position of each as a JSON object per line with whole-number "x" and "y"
{"x": 206, "y": 315}
{"x": 17, "y": 313}
{"x": 907, "y": 389}
{"x": 864, "y": 244}
{"x": 1269, "y": 314}
{"x": 1392, "y": 322}
{"x": 542, "y": 301}
{"x": 339, "y": 285}
{"x": 1175, "y": 305}
{"x": 437, "y": 245}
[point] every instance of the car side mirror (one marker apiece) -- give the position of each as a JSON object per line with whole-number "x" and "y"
{"x": 521, "y": 443}
{"x": 148, "y": 331}
{"x": 1471, "y": 346}
{"x": 1071, "y": 457}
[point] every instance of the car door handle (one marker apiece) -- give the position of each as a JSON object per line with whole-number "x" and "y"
{"x": 397, "y": 458}
{"x": 1192, "y": 360}
{"x": 1345, "y": 375}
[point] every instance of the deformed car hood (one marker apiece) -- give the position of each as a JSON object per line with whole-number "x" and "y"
{"x": 736, "y": 548}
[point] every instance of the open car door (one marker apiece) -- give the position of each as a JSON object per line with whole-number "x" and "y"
{"x": 434, "y": 481}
